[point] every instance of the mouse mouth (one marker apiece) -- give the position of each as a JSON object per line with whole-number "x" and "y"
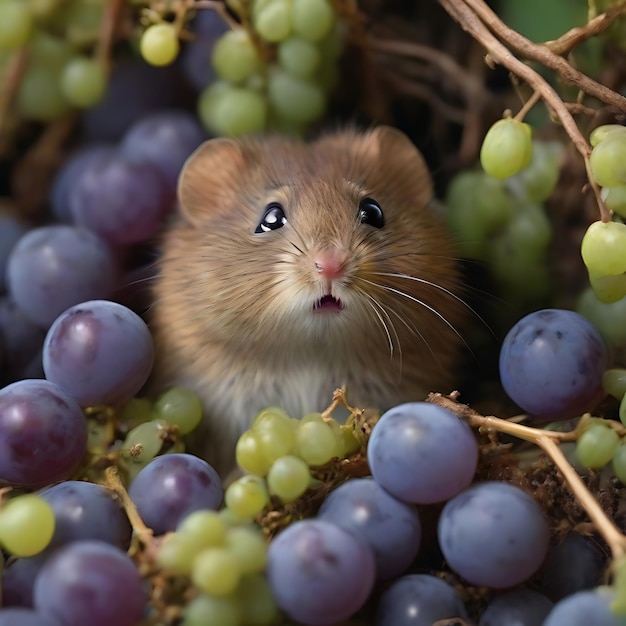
{"x": 328, "y": 303}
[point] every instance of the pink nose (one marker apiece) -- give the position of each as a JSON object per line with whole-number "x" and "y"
{"x": 330, "y": 263}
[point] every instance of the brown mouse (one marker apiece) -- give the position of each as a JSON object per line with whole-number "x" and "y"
{"x": 296, "y": 268}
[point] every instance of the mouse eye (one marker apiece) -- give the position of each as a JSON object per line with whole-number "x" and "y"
{"x": 371, "y": 213}
{"x": 273, "y": 218}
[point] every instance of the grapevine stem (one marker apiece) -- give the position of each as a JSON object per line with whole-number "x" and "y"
{"x": 528, "y": 105}
{"x": 107, "y": 32}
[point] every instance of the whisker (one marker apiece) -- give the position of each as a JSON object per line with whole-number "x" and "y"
{"x": 383, "y": 324}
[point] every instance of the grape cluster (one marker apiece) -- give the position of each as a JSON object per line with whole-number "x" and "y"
{"x": 499, "y": 215}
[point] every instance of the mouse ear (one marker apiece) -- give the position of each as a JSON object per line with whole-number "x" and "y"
{"x": 209, "y": 177}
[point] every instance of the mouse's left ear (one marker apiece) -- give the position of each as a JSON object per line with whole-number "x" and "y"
{"x": 208, "y": 180}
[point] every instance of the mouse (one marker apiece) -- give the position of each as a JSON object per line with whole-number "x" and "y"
{"x": 296, "y": 267}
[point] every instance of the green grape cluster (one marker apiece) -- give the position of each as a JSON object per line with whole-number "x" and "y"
{"x": 53, "y": 39}
{"x": 502, "y": 220}
{"x": 26, "y": 525}
{"x": 603, "y": 247}
{"x": 225, "y": 561}
{"x": 607, "y": 317}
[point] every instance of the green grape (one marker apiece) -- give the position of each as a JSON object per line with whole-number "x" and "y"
{"x": 39, "y": 96}
{"x": 179, "y": 406}
{"x": 608, "y": 289}
{"x": 619, "y": 462}
{"x": 232, "y": 111}
{"x": 618, "y": 603}
{"x": 249, "y": 548}
{"x": 272, "y": 20}
{"x": 529, "y": 229}
{"x": 275, "y": 434}
{"x": 295, "y": 99}
{"x": 26, "y": 525}
{"x": 299, "y": 57}
{"x": 256, "y": 82}
{"x": 507, "y": 148}
{"x": 271, "y": 416}
{"x": 136, "y": 411}
{"x": 206, "y": 528}
{"x": 622, "y": 410}
{"x": 614, "y": 382}
{"x": 607, "y": 318}
{"x": 80, "y": 21}
{"x": 350, "y": 444}
{"x": 289, "y": 478}
{"x": 235, "y": 56}
{"x": 216, "y": 571}
{"x": 615, "y": 199}
{"x": 603, "y": 248}
{"x": 602, "y": 132}
{"x": 256, "y": 601}
{"x": 312, "y": 19}
{"x": 212, "y": 611}
{"x": 177, "y": 553}
{"x": 49, "y": 51}
{"x": 16, "y": 24}
{"x": 84, "y": 82}
{"x": 249, "y": 455}
{"x": 539, "y": 179}
{"x": 608, "y": 160}
{"x": 144, "y": 442}
{"x": 247, "y": 496}
{"x": 316, "y": 443}
{"x": 159, "y": 44}
{"x": 231, "y": 520}
{"x": 596, "y": 446}
{"x": 41, "y": 10}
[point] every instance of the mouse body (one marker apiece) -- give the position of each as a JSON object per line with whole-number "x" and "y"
{"x": 295, "y": 268}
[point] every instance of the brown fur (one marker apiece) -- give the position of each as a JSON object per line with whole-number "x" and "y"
{"x": 233, "y": 314}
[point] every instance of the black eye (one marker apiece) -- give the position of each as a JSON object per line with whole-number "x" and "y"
{"x": 273, "y": 218}
{"x": 371, "y": 213}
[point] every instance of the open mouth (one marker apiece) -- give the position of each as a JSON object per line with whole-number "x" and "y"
{"x": 328, "y": 303}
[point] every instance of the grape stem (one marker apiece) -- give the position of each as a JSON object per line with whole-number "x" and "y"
{"x": 465, "y": 12}
{"x": 548, "y": 441}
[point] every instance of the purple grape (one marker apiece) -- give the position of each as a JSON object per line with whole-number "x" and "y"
{"x": 90, "y": 582}
{"x": 18, "y": 580}
{"x": 165, "y": 140}
{"x": 419, "y": 600}
{"x": 171, "y": 487}
{"x": 551, "y": 364}
{"x": 493, "y": 534}
{"x": 11, "y": 230}
{"x": 319, "y": 573}
{"x": 68, "y": 175}
{"x": 121, "y": 200}
{"x": 519, "y": 607}
{"x": 43, "y": 433}
{"x": 100, "y": 351}
{"x": 422, "y": 453}
{"x": 25, "y": 617}
{"x": 391, "y": 528}
{"x": 54, "y": 267}
{"x": 584, "y": 608}
{"x": 84, "y": 510}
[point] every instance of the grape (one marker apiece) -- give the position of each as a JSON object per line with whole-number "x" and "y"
{"x": 418, "y": 600}
{"x": 43, "y": 434}
{"x": 614, "y": 382}
{"x": 247, "y": 496}
{"x": 316, "y": 443}
{"x": 295, "y": 99}
{"x": 11, "y": 230}
{"x": 249, "y": 548}
{"x": 249, "y": 455}
{"x": 603, "y": 248}
{"x": 54, "y": 267}
{"x": 211, "y": 611}
{"x": 206, "y": 528}
{"x": 288, "y": 478}
{"x": 215, "y": 571}
{"x": 256, "y": 601}
{"x": 607, "y": 160}
{"x": 520, "y": 607}
{"x": 312, "y": 19}
{"x": 596, "y": 446}
{"x": 233, "y": 111}
{"x": 83, "y": 82}
{"x": 26, "y": 525}
{"x": 390, "y": 527}
{"x": 584, "y": 608}
{"x": 529, "y": 231}
{"x": 177, "y": 554}
{"x": 619, "y": 458}
{"x": 134, "y": 412}
{"x": 80, "y": 20}
{"x": 18, "y": 580}
{"x": 542, "y": 174}
{"x": 69, "y": 172}
{"x": 575, "y": 564}
{"x": 272, "y": 20}
{"x": 144, "y": 441}
{"x": 299, "y": 57}
{"x": 235, "y": 56}
{"x": 39, "y": 96}
{"x": 159, "y": 44}
{"x": 493, "y": 534}
{"x": 602, "y": 132}
{"x": 24, "y": 617}
{"x": 608, "y": 289}
{"x": 100, "y": 351}
{"x": 319, "y": 573}
{"x": 422, "y": 453}
{"x": 165, "y": 140}
{"x": 171, "y": 487}
{"x": 16, "y": 24}
{"x": 78, "y": 583}
{"x": 615, "y": 199}
{"x": 507, "y": 148}
{"x": 607, "y": 318}
{"x": 84, "y": 510}
{"x": 551, "y": 364}
{"x": 120, "y": 199}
